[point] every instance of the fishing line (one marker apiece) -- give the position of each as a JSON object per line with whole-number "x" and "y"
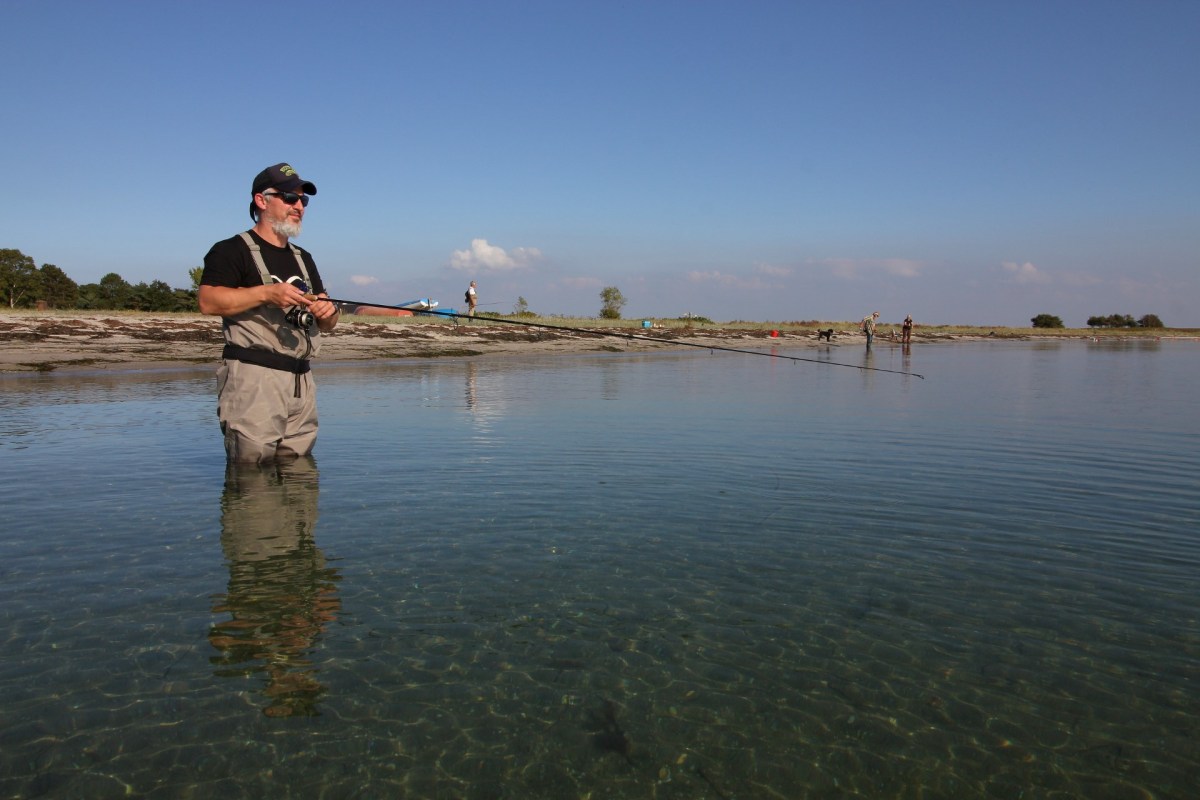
{"x": 632, "y": 336}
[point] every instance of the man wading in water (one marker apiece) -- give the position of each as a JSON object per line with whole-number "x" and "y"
{"x": 271, "y": 300}
{"x": 868, "y": 326}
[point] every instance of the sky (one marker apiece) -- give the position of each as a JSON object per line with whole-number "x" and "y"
{"x": 968, "y": 162}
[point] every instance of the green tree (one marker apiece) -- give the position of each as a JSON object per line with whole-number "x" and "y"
{"x": 187, "y": 300}
{"x": 154, "y": 296}
{"x": 19, "y": 278}
{"x": 89, "y": 297}
{"x": 521, "y": 308}
{"x": 1047, "y": 321}
{"x": 612, "y": 300}
{"x": 195, "y": 273}
{"x": 110, "y": 294}
{"x": 1112, "y": 321}
{"x": 58, "y": 290}
{"x": 1150, "y": 321}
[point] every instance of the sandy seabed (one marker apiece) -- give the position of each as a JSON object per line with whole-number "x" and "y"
{"x": 87, "y": 340}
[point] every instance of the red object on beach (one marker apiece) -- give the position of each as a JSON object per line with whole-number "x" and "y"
{"x": 774, "y": 334}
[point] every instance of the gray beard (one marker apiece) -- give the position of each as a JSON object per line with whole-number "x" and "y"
{"x": 286, "y": 229}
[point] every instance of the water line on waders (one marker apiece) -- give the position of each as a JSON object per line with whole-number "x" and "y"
{"x": 632, "y": 336}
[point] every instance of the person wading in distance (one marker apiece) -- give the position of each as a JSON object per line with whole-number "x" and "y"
{"x": 472, "y": 299}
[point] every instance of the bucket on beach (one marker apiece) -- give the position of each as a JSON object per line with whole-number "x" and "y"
{"x": 646, "y": 324}
{"x": 774, "y": 334}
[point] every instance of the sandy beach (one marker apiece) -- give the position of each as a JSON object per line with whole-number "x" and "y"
{"x": 85, "y": 340}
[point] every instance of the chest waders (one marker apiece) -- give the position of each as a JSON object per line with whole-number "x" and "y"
{"x": 260, "y": 334}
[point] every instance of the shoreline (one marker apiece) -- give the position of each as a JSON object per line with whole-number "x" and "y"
{"x": 92, "y": 341}
{"x": 42, "y": 342}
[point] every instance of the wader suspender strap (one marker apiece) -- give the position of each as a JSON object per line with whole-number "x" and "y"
{"x": 256, "y": 253}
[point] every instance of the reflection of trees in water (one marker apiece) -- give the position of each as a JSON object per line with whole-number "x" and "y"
{"x": 281, "y": 594}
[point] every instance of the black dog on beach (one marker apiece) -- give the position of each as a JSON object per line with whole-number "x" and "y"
{"x": 827, "y": 335}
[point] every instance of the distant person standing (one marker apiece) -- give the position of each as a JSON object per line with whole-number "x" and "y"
{"x": 868, "y": 326}
{"x": 472, "y": 299}
{"x": 906, "y": 330}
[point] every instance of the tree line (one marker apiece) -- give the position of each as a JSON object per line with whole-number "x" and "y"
{"x": 1125, "y": 321}
{"x": 25, "y": 285}
{"x": 1110, "y": 321}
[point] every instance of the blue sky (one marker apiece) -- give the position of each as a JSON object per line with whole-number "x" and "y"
{"x": 965, "y": 162}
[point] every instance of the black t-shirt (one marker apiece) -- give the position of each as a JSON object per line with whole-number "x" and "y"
{"x": 229, "y": 263}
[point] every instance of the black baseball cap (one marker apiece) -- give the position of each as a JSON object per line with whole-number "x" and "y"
{"x": 281, "y": 176}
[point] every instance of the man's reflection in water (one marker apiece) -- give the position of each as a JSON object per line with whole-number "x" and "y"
{"x": 472, "y": 392}
{"x": 281, "y": 594}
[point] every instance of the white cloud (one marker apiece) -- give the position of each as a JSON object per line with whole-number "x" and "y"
{"x": 1025, "y": 273}
{"x": 773, "y": 271}
{"x": 484, "y": 257}
{"x": 901, "y": 267}
{"x": 712, "y": 276}
{"x": 853, "y": 268}
{"x": 842, "y": 267}
{"x": 725, "y": 279}
{"x": 363, "y": 280}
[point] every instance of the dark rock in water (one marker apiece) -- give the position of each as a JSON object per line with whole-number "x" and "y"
{"x": 606, "y": 732}
{"x": 612, "y": 742}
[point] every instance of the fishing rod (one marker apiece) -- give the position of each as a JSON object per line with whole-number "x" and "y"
{"x": 633, "y": 336}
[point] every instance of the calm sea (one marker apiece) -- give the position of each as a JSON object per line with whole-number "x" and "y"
{"x": 683, "y": 575}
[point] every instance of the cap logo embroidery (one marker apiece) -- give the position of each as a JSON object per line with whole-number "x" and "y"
{"x": 286, "y": 169}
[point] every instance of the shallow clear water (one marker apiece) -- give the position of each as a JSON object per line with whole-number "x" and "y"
{"x": 622, "y": 576}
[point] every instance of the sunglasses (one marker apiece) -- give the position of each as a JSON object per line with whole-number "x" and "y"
{"x": 289, "y": 198}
